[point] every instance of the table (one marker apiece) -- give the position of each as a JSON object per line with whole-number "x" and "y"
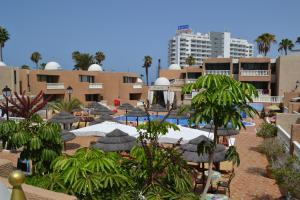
{"x": 216, "y": 197}
{"x": 215, "y": 176}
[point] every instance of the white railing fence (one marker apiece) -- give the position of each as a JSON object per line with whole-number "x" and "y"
{"x": 137, "y": 85}
{"x": 55, "y": 86}
{"x": 95, "y": 85}
{"x": 221, "y": 72}
{"x": 254, "y": 73}
{"x": 268, "y": 99}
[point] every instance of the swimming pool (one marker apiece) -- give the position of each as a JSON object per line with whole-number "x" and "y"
{"x": 182, "y": 122}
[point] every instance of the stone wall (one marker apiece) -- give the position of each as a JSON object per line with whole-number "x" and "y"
{"x": 285, "y": 120}
{"x": 296, "y": 132}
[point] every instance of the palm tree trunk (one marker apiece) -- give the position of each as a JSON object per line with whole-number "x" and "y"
{"x": 210, "y": 163}
{"x": 1, "y": 58}
{"x": 146, "y": 75}
{"x": 285, "y": 51}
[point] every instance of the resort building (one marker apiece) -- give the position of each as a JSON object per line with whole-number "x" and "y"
{"x": 87, "y": 86}
{"x": 202, "y": 46}
{"x": 272, "y": 77}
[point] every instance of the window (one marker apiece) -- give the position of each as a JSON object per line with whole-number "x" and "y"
{"x": 127, "y": 79}
{"x": 86, "y": 78}
{"x": 93, "y": 97}
{"x": 135, "y": 96}
{"x": 47, "y": 78}
{"x": 15, "y": 77}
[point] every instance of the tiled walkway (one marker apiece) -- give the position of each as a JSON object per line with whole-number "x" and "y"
{"x": 250, "y": 182}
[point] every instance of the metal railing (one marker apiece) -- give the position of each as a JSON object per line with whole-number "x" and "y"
{"x": 95, "y": 85}
{"x": 221, "y": 72}
{"x": 254, "y": 73}
{"x": 268, "y": 99}
{"x": 55, "y": 86}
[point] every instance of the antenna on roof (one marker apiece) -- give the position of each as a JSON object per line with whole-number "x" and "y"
{"x": 158, "y": 68}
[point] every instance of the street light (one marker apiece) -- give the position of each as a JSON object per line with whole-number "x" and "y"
{"x": 6, "y": 93}
{"x": 70, "y": 91}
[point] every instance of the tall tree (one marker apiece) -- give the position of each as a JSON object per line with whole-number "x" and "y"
{"x": 190, "y": 60}
{"x": 36, "y": 57}
{"x": 220, "y": 100}
{"x": 147, "y": 64}
{"x": 4, "y": 36}
{"x": 298, "y": 40}
{"x": 264, "y": 42}
{"x": 100, "y": 57}
{"x": 82, "y": 60}
{"x": 285, "y": 45}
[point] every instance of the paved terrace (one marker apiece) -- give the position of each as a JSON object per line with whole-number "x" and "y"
{"x": 250, "y": 182}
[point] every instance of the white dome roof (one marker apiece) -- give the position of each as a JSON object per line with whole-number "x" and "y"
{"x": 95, "y": 68}
{"x": 2, "y": 64}
{"x": 162, "y": 81}
{"x": 53, "y": 66}
{"x": 174, "y": 67}
{"x": 139, "y": 80}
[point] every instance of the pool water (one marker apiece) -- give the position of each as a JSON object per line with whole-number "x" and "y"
{"x": 182, "y": 122}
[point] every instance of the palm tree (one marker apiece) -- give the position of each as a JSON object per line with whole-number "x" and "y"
{"x": 285, "y": 45}
{"x": 147, "y": 64}
{"x": 67, "y": 106}
{"x": 82, "y": 60}
{"x": 4, "y": 36}
{"x": 99, "y": 56}
{"x": 36, "y": 57}
{"x": 264, "y": 42}
{"x": 298, "y": 40}
{"x": 212, "y": 106}
{"x": 190, "y": 60}
{"x": 25, "y": 67}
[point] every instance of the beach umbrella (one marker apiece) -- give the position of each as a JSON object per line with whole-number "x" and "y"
{"x": 103, "y": 118}
{"x": 158, "y": 108}
{"x": 222, "y": 131}
{"x": 64, "y": 118}
{"x": 67, "y": 136}
{"x": 176, "y": 115}
{"x": 116, "y": 140}
{"x": 273, "y": 108}
{"x": 137, "y": 112}
{"x": 126, "y": 107}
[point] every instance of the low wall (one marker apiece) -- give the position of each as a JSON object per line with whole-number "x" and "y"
{"x": 285, "y": 138}
{"x": 35, "y": 193}
{"x": 285, "y": 120}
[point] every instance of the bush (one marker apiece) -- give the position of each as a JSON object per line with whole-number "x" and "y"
{"x": 267, "y": 130}
{"x": 287, "y": 175}
{"x": 272, "y": 148}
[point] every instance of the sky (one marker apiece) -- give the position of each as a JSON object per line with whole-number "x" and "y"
{"x": 127, "y": 30}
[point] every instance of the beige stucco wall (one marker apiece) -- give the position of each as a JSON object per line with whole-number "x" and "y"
{"x": 7, "y": 78}
{"x": 285, "y": 120}
{"x": 288, "y": 72}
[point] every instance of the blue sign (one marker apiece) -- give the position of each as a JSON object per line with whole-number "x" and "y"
{"x": 183, "y": 27}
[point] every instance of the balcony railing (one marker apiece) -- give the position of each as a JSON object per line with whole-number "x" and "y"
{"x": 268, "y": 99}
{"x": 55, "y": 86}
{"x": 137, "y": 86}
{"x": 182, "y": 81}
{"x": 188, "y": 96}
{"x": 190, "y": 81}
{"x": 221, "y": 72}
{"x": 95, "y": 85}
{"x": 254, "y": 73}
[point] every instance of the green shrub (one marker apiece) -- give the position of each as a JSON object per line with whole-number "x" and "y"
{"x": 267, "y": 130}
{"x": 272, "y": 148}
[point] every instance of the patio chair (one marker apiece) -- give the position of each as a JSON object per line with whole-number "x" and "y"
{"x": 199, "y": 179}
{"x": 226, "y": 184}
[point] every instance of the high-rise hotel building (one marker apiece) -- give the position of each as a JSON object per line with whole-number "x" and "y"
{"x": 202, "y": 46}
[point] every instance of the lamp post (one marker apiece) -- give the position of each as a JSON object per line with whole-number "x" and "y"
{"x": 70, "y": 91}
{"x": 6, "y": 93}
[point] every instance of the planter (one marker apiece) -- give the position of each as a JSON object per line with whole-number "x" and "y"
{"x": 284, "y": 191}
{"x": 269, "y": 173}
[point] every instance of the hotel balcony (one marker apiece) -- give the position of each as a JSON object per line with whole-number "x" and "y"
{"x": 55, "y": 86}
{"x": 137, "y": 86}
{"x": 181, "y": 82}
{"x": 221, "y": 72}
{"x": 188, "y": 96}
{"x": 254, "y": 73}
{"x": 95, "y": 85}
{"x": 268, "y": 99}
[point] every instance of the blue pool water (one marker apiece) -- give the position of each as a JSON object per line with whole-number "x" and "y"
{"x": 182, "y": 122}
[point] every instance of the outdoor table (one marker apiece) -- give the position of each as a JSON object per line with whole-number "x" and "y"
{"x": 216, "y": 197}
{"x": 215, "y": 176}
